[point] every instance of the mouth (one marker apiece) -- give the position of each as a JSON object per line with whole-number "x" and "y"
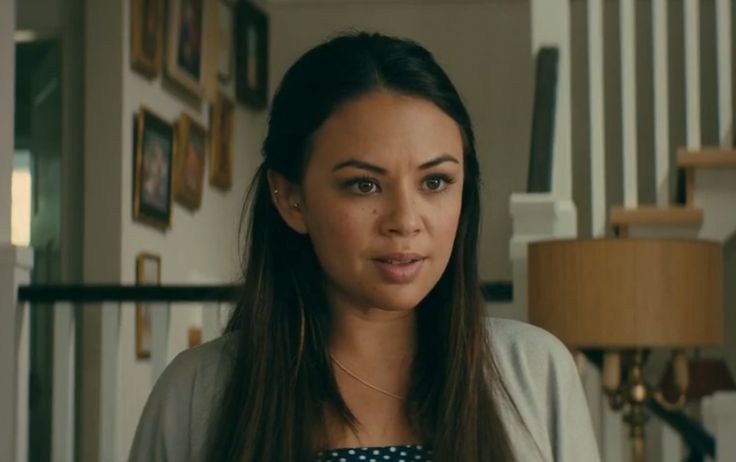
{"x": 400, "y": 268}
{"x": 400, "y": 258}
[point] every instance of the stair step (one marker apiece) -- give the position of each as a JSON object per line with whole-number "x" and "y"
{"x": 706, "y": 157}
{"x": 623, "y": 217}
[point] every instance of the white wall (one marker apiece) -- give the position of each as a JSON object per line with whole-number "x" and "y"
{"x": 483, "y": 46}
{"x": 7, "y": 112}
{"x": 200, "y": 247}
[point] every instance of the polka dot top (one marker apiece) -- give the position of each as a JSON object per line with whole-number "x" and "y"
{"x": 404, "y": 453}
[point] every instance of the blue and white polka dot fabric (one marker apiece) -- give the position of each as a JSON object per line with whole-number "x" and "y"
{"x": 407, "y": 453}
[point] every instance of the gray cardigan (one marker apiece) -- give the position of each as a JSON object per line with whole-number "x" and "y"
{"x": 537, "y": 368}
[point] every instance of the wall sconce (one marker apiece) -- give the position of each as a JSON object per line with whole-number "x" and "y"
{"x": 627, "y": 296}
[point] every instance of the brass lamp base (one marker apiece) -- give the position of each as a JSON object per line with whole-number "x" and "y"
{"x": 634, "y": 393}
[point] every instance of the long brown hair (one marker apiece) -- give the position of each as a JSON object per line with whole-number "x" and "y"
{"x": 281, "y": 379}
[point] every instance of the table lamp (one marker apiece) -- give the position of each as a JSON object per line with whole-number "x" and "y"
{"x": 626, "y": 296}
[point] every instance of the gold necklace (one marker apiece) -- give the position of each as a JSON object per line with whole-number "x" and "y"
{"x": 367, "y": 384}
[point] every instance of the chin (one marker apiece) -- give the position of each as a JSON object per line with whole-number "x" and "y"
{"x": 396, "y": 298}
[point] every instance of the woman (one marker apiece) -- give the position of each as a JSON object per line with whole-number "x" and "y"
{"x": 360, "y": 334}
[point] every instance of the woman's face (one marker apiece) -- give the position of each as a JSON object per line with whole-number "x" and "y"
{"x": 381, "y": 200}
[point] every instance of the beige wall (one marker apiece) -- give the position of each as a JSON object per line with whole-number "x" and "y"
{"x": 7, "y": 112}
{"x": 200, "y": 247}
{"x": 484, "y": 47}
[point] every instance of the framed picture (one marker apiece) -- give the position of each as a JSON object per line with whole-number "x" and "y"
{"x": 251, "y": 55}
{"x": 224, "y": 41}
{"x": 189, "y": 158}
{"x": 146, "y": 36}
{"x": 152, "y": 176}
{"x": 221, "y": 139}
{"x": 185, "y": 46}
{"x": 147, "y": 272}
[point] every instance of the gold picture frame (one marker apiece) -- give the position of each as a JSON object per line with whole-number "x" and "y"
{"x": 154, "y": 148}
{"x": 189, "y": 162}
{"x": 186, "y": 47}
{"x": 147, "y": 272}
{"x": 146, "y": 36}
{"x": 221, "y": 142}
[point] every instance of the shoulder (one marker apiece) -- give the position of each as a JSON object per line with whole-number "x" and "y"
{"x": 536, "y": 367}
{"x": 174, "y": 419}
{"x": 544, "y": 385}
{"x": 524, "y": 346}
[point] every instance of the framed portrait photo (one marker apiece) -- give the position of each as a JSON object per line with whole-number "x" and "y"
{"x": 251, "y": 55}
{"x": 147, "y": 272}
{"x": 152, "y": 175}
{"x": 224, "y": 41}
{"x": 221, "y": 142}
{"x": 185, "y": 46}
{"x": 146, "y": 36}
{"x": 189, "y": 160}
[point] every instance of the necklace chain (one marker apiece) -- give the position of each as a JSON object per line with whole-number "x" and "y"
{"x": 364, "y": 382}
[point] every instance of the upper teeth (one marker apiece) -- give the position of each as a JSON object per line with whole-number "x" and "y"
{"x": 399, "y": 262}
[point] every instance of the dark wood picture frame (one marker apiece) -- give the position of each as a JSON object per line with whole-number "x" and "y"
{"x": 186, "y": 47}
{"x": 189, "y": 162}
{"x": 146, "y": 36}
{"x": 225, "y": 41}
{"x": 251, "y": 55}
{"x": 153, "y": 158}
{"x": 222, "y": 116}
{"x": 144, "y": 275}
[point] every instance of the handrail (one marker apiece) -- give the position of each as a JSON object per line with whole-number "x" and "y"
{"x": 97, "y": 293}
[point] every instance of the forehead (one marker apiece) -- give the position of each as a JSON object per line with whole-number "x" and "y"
{"x": 386, "y": 128}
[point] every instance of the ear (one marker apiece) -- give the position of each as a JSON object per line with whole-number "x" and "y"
{"x": 287, "y": 198}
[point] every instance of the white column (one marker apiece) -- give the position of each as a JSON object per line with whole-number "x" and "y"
{"x": 725, "y": 103}
{"x": 15, "y": 270}
{"x": 63, "y": 405}
{"x": 661, "y": 102}
{"x": 551, "y": 27}
{"x": 628, "y": 95}
{"x": 7, "y": 112}
{"x": 109, "y": 378}
{"x": 597, "y": 118}
{"x": 692, "y": 72}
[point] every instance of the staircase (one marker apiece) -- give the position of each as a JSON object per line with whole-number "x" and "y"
{"x": 709, "y": 211}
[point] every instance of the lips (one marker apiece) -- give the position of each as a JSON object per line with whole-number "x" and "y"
{"x": 399, "y": 268}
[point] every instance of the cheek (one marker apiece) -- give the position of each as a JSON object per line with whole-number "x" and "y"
{"x": 337, "y": 231}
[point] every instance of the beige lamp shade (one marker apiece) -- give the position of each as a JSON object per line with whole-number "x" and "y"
{"x": 625, "y": 293}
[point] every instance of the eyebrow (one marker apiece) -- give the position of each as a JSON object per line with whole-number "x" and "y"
{"x": 382, "y": 171}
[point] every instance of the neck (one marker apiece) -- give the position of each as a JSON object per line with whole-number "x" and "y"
{"x": 373, "y": 334}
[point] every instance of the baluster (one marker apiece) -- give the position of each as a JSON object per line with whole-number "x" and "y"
{"x": 661, "y": 102}
{"x": 597, "y": 118}
{"x": 725, "y": 103}
{"x": 62, "y": 424}
{"x": 109, "y": 378}
{"x": 692, "y": 72}
{"x": 628, "y": 101}
{"x": 210, "y": 321}
{"x": 159, "y": 338}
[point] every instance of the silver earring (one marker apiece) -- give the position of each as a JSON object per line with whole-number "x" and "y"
{"x": 276, "y": 192}
{"x": 295, "y": 205}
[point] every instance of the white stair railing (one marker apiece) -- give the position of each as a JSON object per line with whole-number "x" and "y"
{"x": 15, "y": 270}
{"x": 538, "y": 217}
{"x": 111, "y": 444}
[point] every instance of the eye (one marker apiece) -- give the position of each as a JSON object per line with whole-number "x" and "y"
{"x": 437, "y": 183}
{"x": 362, "y": 186}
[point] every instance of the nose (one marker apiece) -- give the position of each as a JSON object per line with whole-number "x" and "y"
{"x": 402, "y": 217}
